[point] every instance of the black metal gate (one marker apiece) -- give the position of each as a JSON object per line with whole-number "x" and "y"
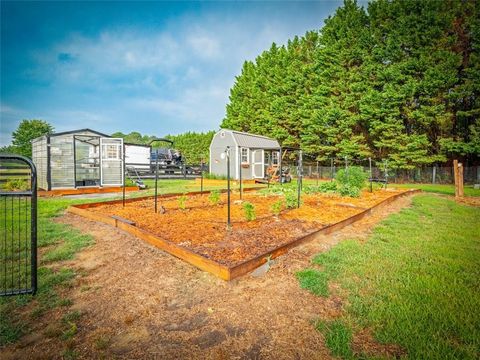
{"x": 18, "y": 225}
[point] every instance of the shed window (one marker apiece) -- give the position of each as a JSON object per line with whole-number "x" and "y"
{"x": 275, "y": 158}
{"x": 244, "y": 155}
{"x": 112, "y": 152}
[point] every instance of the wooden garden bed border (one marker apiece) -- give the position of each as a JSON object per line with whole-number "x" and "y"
{"x": 222, "y": 271}
{"x": 87, "y": 190}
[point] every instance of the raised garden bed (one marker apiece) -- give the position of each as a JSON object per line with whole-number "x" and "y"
{"x": 198, "y": 233}
{"x": 86, "y": 190}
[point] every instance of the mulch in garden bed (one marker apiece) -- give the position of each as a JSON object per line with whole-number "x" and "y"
{"x": 201, "y": 226}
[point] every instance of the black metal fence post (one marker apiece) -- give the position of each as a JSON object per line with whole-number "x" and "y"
{"x": 227, "y": 153}
{"x": 240, "y": 172}
{"x": 299, "y": 177}
{"x": 280, "y": 176}
{"x": 318, "y": 172}
{"x": 33, "y": 227}
{"x": 370, "y": 165}
{"x": 124, "y": 168}
{"x": 201, "y": 176}
{"x": 156, "y": 178}
{"x": 386, "y": 173}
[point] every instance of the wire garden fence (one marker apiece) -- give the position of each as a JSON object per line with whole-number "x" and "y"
{"x": 380, "y": 169}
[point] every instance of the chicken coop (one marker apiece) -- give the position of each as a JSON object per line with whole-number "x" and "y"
{"x": 80, "y": 158}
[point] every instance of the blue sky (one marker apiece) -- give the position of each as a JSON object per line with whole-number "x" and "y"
{"x": 154, "y": 67}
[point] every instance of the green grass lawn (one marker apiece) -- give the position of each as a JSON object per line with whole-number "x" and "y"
{"x": 447, "y": 189}
{"x": 414, "y": 283}
{"x": 182, "y": 186}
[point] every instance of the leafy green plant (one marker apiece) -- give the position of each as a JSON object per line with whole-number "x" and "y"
{"x": 324, "y": 187}
{"x": 214, "y": 197}
{"x": 182, "y": 202}
{"x": 353, "y": 176}
{"x": 349, "y": 190}
{"x": 291, "y": 199}
{"x": 351, "y": 181}
{"x": 249, "y": 210}
{"x": 16, "y": 185}
{"x": 277, "y": 207}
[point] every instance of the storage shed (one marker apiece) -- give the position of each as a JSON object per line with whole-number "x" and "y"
{"x": 78, "y": 158}
{"x": 251, "y": 153}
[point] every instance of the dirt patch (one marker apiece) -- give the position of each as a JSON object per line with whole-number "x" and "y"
{"x": 139, "y": 302}
{"x": 471, "y": 201}
{"x": 364, "y": 343}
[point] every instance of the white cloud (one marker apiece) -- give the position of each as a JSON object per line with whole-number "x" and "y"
{"x": 204, "y": 46}
{"x": 155, "y": 80}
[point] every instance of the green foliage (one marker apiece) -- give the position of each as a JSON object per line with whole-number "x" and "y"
{"x": 193, "y": 146}
{"x": 214, "y": 197}
{"x": 396, "y": 81}
{"x": 26, "y": 132}
{"x": 16, "y": 185}
{"x": 277, "y": 207}
{"x": 8, "y": 149}
{"x": 351, "y": 181}
{"x": 353, "y": 176}
{"x": 349, "y": 190}
{"x": 413, "y": 282}
{"x": 291, "y": 199}
{"x": 182, "y": 202}
{"x": 249, "y": 211}
{"x": 324, "y": 187}
{"x": 214, "y": 176}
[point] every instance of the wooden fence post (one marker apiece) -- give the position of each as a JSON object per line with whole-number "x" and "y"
{"x": 460, "y": 180}
{"x": 455, "y": 176}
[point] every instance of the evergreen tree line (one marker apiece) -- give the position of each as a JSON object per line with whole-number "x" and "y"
{"x": 397, "y": 81}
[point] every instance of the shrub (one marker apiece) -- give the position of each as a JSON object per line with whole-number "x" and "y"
{"x": 249, "y": 210}
{"x": 214, "y": 197}
{"x": 182, "y": 202}
{"x": 17, "y": 185}
{"x": 349, "y": 190}
{"x": 277, "y": 207}
{"x": 291, "y": 199}
{"x": 325, "y": 187}
{"x": 355, "y": 176}
{"x": 328, "y": 187}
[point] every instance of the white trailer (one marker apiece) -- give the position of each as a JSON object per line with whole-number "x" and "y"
{"x": 137, "y": 156}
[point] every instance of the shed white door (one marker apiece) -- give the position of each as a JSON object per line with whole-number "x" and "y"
{"x": 111, "y": 167}
{"x": 257, "y": 164}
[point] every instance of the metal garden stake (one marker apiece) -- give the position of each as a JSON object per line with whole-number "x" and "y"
{"x": 370, "y": 165}
{"x": 123, "y": 190}
{"x": 240, "y": 172}
{"x": 227, "y": 154}
{"x": 201, "y": 177}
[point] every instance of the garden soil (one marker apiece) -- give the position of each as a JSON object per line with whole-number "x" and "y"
{"x": 194, "y": 223}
